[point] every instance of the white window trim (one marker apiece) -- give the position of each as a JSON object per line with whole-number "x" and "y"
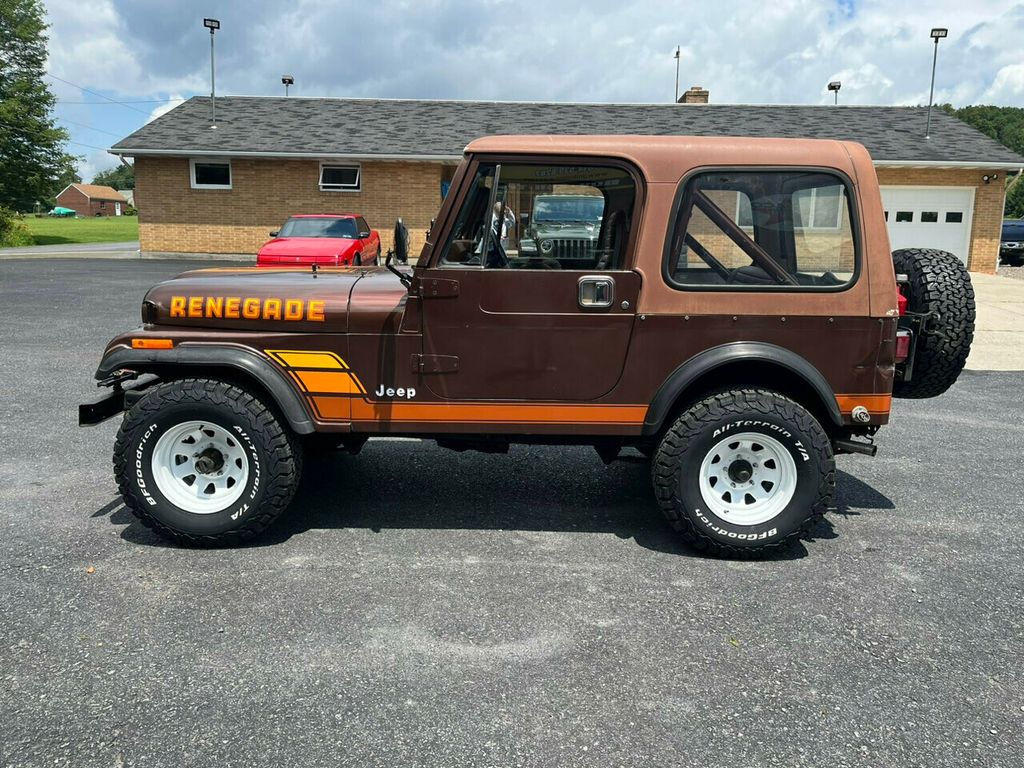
{"x": 335, "y": 164}
{"x": 813, "y": 211}
{"x": 209, "y": 161}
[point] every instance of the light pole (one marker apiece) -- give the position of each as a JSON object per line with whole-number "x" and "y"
{"x": 213, "y": 25}
{"x": 834, "y": 86}
{"x": 287, "y": 80}
{"x": 677, "y": 73}
{"x": 937, "y": 34}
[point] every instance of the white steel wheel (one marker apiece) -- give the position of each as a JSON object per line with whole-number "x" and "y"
{"x": 200, "y": 467}
{"x": 747, "y": 478}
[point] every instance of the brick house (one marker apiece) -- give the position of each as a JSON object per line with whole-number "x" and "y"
{"x": 221, "y": 190}
{"x": 92, "y": 200}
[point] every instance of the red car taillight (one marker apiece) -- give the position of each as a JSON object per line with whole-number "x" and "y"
{"x": 902, "y": 346}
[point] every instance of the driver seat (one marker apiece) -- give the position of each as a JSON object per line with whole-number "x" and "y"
{"x": 612, "y": 242}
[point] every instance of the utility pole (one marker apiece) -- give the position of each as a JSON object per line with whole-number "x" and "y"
{"x": 677, "y": 73}
{"x": 937, "y": 34}
{"x": 213, "y": 25}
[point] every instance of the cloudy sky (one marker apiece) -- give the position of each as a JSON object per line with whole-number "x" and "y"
{"x": 150, "y": 54}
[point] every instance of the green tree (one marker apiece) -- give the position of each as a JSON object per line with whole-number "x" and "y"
{"x": 1005, "y": 125}
{"x": 32, "y": 156}
{"x": 121, "y": 177}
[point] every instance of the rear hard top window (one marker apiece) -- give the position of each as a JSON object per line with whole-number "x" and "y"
{"x": 762, "y": 230}
{"x": 319, "y": 228}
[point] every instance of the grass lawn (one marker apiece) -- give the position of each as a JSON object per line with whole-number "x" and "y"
{"x": 99, "y": 229}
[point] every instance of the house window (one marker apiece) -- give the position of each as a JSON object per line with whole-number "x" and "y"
{"x": 819, "y": 207}
{"x": 954, "y": 217}
{"x": 210, "y": 174}
{"x": 929, "y": 217}
{"x": 339, "y": 178}
{"x": 904, "y": 216}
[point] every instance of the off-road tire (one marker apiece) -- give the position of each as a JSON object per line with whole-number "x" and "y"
{"x": 274, "y": 458}
{"x": 677, "y": 465}
{"x": 940, "y": 285}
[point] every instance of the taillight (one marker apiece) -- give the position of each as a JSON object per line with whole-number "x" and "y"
{"x": 902, "y": 345}
{"x": 901, "y": 302}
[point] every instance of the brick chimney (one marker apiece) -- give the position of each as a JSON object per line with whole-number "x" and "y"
{"x": 696, "y": 95}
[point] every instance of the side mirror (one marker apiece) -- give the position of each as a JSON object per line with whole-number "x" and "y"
{"x": 275, "y": 233}
{"x": 401, "y": 242}
{"x": 365, "y": 234}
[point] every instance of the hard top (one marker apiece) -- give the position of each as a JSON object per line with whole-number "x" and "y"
{"x": 666, "y": 158}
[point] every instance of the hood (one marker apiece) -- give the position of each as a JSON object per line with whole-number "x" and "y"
{"x": 578, "y": 230}
{"x": 307, "y": 246}
{"x": 278, "y": 300}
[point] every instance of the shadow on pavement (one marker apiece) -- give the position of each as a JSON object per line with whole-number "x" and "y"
{"x": 431, "y": 489}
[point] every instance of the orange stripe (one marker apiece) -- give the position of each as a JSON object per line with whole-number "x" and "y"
{"x": 874, "y": 403}
{"x": 532, "y": 413}
{"x": 332, "y": 408}
{"x": 326, "y": 381}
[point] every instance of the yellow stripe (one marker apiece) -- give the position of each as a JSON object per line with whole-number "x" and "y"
{"x": 302, "y": 359}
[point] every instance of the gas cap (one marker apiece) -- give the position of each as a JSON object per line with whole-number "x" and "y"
{"x": 860, "y": 413}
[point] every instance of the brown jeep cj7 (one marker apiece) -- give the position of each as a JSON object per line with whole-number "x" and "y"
{"x": 734, "y": 313}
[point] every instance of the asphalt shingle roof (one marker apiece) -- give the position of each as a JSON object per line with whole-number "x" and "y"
{"x": 100, "y": 192}
{"x": 416, "y": 128}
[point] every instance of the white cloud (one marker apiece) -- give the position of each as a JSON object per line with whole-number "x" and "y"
{"x": 743, "y": 51}
{"x": 162, "y": 109}
{"x": 94, "y": 162}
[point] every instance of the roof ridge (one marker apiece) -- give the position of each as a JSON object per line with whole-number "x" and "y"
{"x": 402, "y": 99}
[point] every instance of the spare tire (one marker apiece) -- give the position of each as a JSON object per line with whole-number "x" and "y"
{"x": 940, "y": 286}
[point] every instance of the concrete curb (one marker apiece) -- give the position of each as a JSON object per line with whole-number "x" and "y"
{"x": 114, "y": 253}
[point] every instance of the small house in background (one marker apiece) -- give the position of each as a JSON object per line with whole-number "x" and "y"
{"x": 92, "y": 200}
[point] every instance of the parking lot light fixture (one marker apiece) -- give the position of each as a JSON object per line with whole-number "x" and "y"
{"x": 834, "y": 86}
{"x": 677, "y": 73}
{"x": 937, "y": 34}
{"x": 287, "y": 80}
{"x": 213, "y": 25}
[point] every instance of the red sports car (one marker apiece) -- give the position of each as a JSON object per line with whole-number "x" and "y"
{"x": 324, "y": 239}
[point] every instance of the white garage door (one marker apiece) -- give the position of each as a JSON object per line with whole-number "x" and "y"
{"x": 930, "y": 217}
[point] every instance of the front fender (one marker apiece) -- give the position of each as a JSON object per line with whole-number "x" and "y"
{"x": 196, "y": 358}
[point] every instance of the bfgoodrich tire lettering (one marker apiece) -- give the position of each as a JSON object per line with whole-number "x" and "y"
{"x": 268, "y": 461}
{"x": 705, "y": 430}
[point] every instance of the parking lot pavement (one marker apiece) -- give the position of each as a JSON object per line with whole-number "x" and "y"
{"x": 420, "y": 607}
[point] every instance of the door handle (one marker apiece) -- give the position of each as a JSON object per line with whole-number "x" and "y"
{"x": 596, "y": 292}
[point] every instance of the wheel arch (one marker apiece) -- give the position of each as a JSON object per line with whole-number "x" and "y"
{"x": 743, "y": 364}
{"x": 217, "y": 361}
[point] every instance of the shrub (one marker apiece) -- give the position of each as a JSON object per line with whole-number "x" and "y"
{"x": 12, "y": 232}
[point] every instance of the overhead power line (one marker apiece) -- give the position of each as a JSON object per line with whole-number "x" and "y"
{"x": 91, "y": 128}
{"x": 94, "y": 93}
{"x": 121, "y": 103}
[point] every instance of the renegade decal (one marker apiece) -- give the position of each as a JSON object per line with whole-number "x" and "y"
{"x": 247, "y": 308}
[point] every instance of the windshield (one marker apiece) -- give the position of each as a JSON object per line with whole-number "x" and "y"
{"x": 566, "y": 208}
{"x": 319, "y": 228}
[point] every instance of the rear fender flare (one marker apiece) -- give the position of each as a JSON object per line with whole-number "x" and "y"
{"x": 700, "y": 365}
{"x": 198, "y": 358}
